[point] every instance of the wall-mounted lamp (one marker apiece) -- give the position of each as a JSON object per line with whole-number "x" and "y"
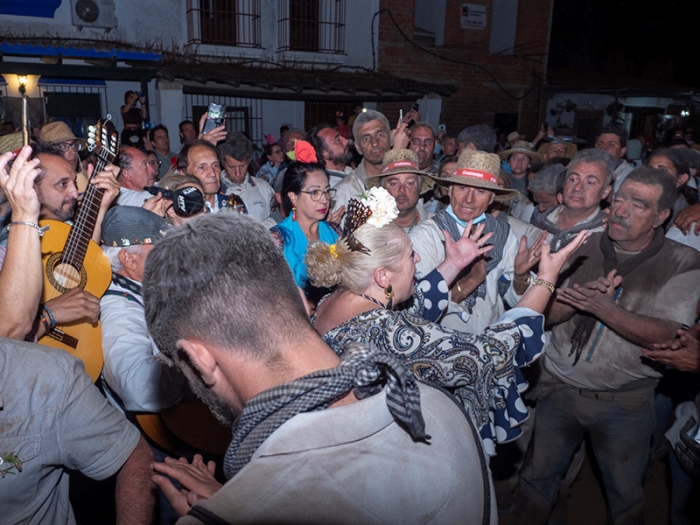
{"x": 22, "y": 81}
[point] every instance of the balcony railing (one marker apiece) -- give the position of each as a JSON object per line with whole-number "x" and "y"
{"x": 312, "y": 25}
{"x": 224, "y": 22}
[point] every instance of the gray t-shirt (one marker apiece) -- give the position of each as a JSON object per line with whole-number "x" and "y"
{"x": 53, "y": 418}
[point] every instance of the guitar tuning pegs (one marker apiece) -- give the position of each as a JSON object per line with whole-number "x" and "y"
{"x": 91, "y": 129}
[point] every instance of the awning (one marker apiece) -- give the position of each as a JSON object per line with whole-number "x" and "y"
{"x": 225, "y": 78}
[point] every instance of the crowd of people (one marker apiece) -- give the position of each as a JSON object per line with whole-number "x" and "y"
{"x": 373, "y": 326}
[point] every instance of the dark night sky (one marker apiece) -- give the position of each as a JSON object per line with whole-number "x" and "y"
{"x": 646, "y": 40}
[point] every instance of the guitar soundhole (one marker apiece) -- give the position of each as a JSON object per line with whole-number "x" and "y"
{"x": 64, "y": 276}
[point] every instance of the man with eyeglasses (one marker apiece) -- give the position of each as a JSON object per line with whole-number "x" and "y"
{"x": 423, "y": 143}
{"x": 135, "y": 174}
{"x": 60, "y": 136}
{"x": 256, "y": 194}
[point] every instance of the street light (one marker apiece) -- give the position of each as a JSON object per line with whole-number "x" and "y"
{"x": 22, "y": 81}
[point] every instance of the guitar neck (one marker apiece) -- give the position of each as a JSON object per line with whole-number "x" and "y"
{"x": 85, "y": 222}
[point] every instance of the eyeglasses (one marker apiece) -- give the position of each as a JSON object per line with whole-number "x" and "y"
{"x": 316, "y": 194}
{"x": 154, "y": 163}
{"x": 65, "y": 146}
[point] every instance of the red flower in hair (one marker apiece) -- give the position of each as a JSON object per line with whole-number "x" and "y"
{"x": 304, "y": 152}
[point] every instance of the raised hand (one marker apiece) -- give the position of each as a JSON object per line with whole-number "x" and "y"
{"x": 399, "y": 136}
{"x": 551, "y": 263}
{"x": 18, "y": 185}
{"x": 214, "y": 136}
{"x": 461, "y": 253}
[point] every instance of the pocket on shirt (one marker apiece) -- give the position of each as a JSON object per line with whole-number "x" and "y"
{"x": 20, "y": 488}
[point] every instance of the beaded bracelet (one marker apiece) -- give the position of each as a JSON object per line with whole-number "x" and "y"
{"x": 546, "y": 284}
{"x": 38, "y": 228}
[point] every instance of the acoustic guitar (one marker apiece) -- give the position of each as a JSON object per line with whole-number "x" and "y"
{"x": 71, "y": 259}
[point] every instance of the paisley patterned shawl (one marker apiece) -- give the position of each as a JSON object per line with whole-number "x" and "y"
{"x": 483, "y": 370}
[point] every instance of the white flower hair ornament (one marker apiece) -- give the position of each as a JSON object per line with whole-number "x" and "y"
{"x": 376, "y": 207}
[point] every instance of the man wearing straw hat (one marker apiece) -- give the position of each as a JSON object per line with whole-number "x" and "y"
{"x": 402, "y": 177}
{"x": 477, "y": 298}
{"x": 60, "y": 136}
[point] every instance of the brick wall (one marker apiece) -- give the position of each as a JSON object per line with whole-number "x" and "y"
{"x": 475, "y": 73}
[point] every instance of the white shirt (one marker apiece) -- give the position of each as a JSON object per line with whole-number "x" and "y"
{"x": 256, "y": 194}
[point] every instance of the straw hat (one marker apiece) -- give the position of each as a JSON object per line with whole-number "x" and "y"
{"x": 11, "y": 142}
{"x": 57, "y": 132}
{"x": 521, "y": 147}
{"x": 479, "y": 170}
{"x": 400, "y": 161}
{"x": 514, "y": 136}
{"x": 571, "y": 149}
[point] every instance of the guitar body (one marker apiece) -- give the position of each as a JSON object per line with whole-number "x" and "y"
{"x": 186, "y": 426}
{"x": 81, "y": 340}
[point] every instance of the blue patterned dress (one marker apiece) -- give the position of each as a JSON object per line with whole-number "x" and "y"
{"x": 482, "y": 370}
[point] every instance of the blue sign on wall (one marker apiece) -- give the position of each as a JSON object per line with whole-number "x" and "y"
{"x": 42, "y": 8}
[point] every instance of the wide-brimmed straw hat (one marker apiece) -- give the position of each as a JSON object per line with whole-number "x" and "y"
{"x": 401, "y": 161}
{"x": 571, "y": 149}
{"x": 521, "y": 147}
{"x": 11, "y": 142}
{"x": 477, "y": 169}
{"x": 57, "y": 132}
{"x": 514, "y": 136}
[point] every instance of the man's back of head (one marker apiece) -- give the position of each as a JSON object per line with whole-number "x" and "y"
{"x": 479, "y": 137}
{"x": 221, "y": 279}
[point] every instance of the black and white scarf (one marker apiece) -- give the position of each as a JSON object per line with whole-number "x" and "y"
{"x": 563, "y": 237}
{"x": 500, "y": 228}
{"x": 363, "y": 369}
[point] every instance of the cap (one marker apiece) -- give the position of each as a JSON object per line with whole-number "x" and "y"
{"x": 129, "y": 225}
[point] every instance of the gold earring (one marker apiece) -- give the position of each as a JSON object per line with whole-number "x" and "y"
{"x": 389, "y": 294}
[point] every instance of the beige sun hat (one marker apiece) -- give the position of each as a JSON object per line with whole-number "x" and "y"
{"x": 514, "y": 136}
{"x": 479, "y": 170}
{"x": 571, "y": 149}
{"x": 57, "y": 132}
{"x": 522, "y": 147}
{"x": 400, "y": 161}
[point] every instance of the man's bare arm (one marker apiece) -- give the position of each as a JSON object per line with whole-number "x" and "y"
{"x": 135, "y": 493}
{"x": 20, "y": 278}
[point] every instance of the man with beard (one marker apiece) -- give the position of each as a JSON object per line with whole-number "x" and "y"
{"x": 332, "y": 150}
{"x": 235, "y": 324}
{"x": 406, "y": 182}
{"x": 629, "y": 289}
{"x": 373, "y": 138}
{"x": 58, "y": 196}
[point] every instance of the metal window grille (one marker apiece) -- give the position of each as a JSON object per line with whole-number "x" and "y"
{"x": 312, "y": 25}
{"x": 242, "y": 114}
{"x": 76, "y": 105}
{"x": 224, "y": 22}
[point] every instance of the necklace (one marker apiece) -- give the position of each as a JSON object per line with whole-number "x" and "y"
{"x": 372, "y": 299}
{"x": 416, "y": 218}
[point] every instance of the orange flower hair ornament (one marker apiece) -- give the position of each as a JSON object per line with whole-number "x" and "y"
{"x": 304, "y": 152}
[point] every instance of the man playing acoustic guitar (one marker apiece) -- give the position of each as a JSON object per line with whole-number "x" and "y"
{"x": 58, "y": 196}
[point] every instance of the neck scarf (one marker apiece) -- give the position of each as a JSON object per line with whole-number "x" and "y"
{"x": 500, "y": 228}
{"x": 296, "y": 244}
{"x": 586, "y": 325}
{"x": 563, "y": 237}
{"x": 363, "y": 369}
{"x": 125, "y": 282}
